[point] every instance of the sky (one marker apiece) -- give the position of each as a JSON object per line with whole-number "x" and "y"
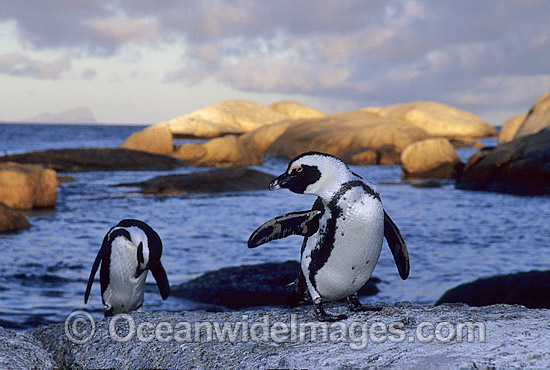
{"x": 146, "y": 61}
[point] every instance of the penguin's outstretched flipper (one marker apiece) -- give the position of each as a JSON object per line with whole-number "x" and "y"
{"x": 162, "y": 280}
{"x": 95, "y": 266}
{"x": 303, "y": 223}
{"x": 397, "y": 246}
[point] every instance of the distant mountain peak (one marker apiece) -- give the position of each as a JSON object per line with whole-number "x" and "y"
{"x": 75, "y": 115}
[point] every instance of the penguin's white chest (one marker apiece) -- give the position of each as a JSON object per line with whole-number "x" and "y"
{"x": 356, "y": 244}
{"x": 125, "y": 292}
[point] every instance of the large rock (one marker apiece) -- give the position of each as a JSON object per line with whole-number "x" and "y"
{"x": 20, "y": 350}
{"x": 538, "y": 117}
{"x": 227, "y": 117}
{"x": 296, "y": 110}
{"x": 226, "y": 151}
{"x": 211, "y": 181}
{"x": 431, "y": 158}
{"x": 153, "y": 139}
{"x": 250, "y": 285}
{"x": 438, "y": 119}
{"x": 510, "y": 127}
{"x": 399, "y": 336}
{"x": 521, "y": 166}
{"x": 27, "y": 186}
{"x": 530, "y": 289}
{"x": 345, "y": 135}
{"x": 11, "y": 220}
{"x": 96, "y": 159}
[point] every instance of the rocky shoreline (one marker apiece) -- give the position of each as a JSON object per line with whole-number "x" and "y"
{"x": 401, "y": 335}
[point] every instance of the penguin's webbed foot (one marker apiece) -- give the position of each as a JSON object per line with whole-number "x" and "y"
{"x": 108, "y": 310}
{"x": 356, "y": 306}
{"x": 323, "y": 316}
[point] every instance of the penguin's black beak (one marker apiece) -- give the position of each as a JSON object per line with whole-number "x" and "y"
{"x": 280, "y": 182}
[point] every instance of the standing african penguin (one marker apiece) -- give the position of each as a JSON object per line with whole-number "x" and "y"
{"x": 128, "y": 251}
{"x": 343, "y": 232}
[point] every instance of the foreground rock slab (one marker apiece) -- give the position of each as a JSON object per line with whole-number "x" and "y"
{"x": 96, "y": 159}
{"x": 500, "y": 336}
{"x": 211, "y": 181}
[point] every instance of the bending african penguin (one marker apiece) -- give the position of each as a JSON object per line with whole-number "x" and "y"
{"x": 129, "y": 250}
{"x": 343, "y": 231}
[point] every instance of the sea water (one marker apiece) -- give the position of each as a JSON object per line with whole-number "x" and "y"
{"x": 453, "y": 236}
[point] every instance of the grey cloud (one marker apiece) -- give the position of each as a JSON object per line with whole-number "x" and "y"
{"x": 21, "y": 65}
{"x": 363, "y": 51}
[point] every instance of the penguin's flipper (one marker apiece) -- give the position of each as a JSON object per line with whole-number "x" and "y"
{"x": 397, "y": 246}
{"x": 95, "y": 266}
{"x": 303, "y": 223}
{"x": 162, "y": 280}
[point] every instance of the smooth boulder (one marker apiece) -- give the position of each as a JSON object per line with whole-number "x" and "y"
{"x": 226, "y": 151}
{"x": 211, "y": 181}
{"x": 530, "y": 289}
{"x": 431, "y": 158}
{"x": 521, "y": 166}
{"x": 96, "y": 159}
{"x": 27, "y": 186}
{"x": 227, "y": 117}
{"x": 538, "y": 117}
{"x": 152, "y": 139}
{"x": 296, "y": 110}
{"x": 510, "y": 127}
{"x": 345, "y": 135}
{"x": 11, "y": 219}
{"x": 437, "y": 119}
{"x": 249, "y": 285}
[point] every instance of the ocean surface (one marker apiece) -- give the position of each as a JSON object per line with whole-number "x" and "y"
{"x": 453, "y": 236}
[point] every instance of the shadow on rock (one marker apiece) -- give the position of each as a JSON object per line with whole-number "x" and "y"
{"x": 248, "y": 285}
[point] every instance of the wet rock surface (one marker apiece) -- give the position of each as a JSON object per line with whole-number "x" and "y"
{"x": 530, "y": 289}
{"x": 521, "y": 166}
{"x": 211, "y": 181}
{"x": 248, "y": 285}
{"x": 96, "y": 159}
{"x": 11, "y": 219}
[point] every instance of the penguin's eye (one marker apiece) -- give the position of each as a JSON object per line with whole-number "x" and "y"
{"x": 296, "y": 169}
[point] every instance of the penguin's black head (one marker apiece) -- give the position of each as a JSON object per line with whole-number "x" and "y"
{"x": 313, "y": 173}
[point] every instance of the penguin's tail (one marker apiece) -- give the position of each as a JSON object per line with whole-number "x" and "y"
{"x": 296, "y": 293}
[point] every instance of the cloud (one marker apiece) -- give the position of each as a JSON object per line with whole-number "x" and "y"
{"x": 377, "y": 52}
{"x": 121, "y": 30}
{"x": 21, "y": 65}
